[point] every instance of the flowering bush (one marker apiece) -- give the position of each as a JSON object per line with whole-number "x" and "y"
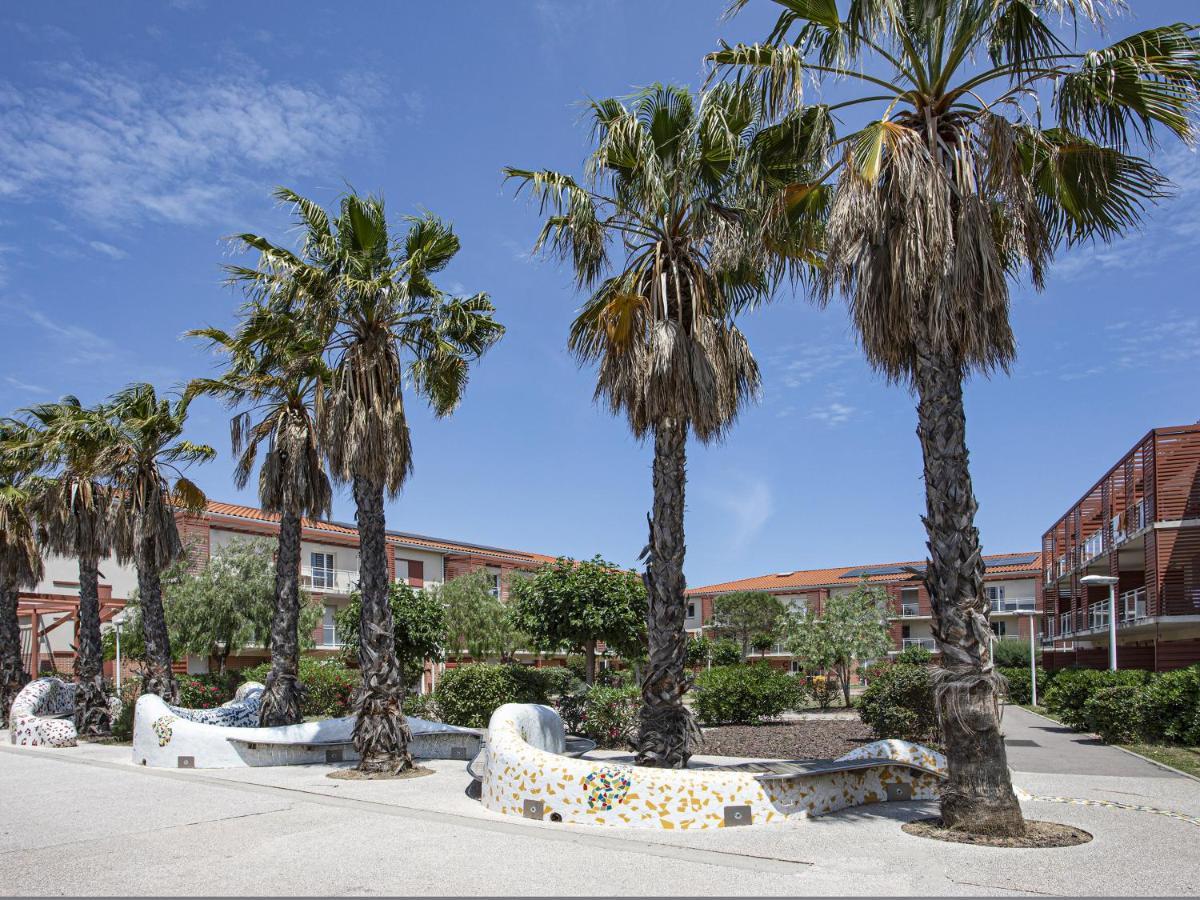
{"x": 204, "y": 691}
{"x": 610, "y": 715}
{"x": 824, "y": 689}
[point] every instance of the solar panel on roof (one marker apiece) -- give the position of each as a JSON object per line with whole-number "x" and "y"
{"x": 878, "y": 570}
{"x": 1020, "y": 559}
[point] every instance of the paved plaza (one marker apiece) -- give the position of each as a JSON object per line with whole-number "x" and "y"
{"x": 86, "y": 821}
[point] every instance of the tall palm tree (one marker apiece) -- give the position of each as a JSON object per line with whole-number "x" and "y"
{"x": 20, "y": 558}
{"x": 988, "y": 142}
{"x": 382, "y": 321}
{"x": 143, "y": 457}
{"x": 279, "y": 379}
{"x": 675, "y": 185}
{"x": 75, "y": 518}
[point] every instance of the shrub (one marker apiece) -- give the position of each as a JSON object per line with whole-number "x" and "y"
{"x": 1019, "y": 685}
{"x": 1010, "y": 653}
{"x": 468, "y": 695}
{"x": 1173, "y": 706}
{"x": 1071, "y": 688}
{"x": 698, "y": 650}
{"x": 423, "y": 706}
{"x": 824, "y": 689}
{"x": 329, "y": 686}
{"x": 572, "y": 709}
{"x": 610, "y": 715}
{"x": 206, "y": 691}
{"x": 559, "y": 680}
{"x": 898, "y": 703}
{"x": 745, "y": 694}
{"x": 914, "y": 655}
{"x": 726, "y": 652}
{"x": 122, "y": 725}
{"x": 1116, "y": 713}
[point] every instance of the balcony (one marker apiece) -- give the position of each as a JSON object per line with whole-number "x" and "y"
{"x": 1012, "y": 606}
{"x": 1131, "y": 606}
{"x": 928, "y": 643}
{"x": 909, "y": 610}
{"x": 1092, "y": 547}
{"x": 1065, "y": 624}
{"x": 328, "y": 581}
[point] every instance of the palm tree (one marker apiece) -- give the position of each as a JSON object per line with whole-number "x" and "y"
{"x": 279, "y": 380}
{"x": 143, "y": 457}
{"x": 675, "y": 185}
{"x": 75, "y": 518}
{"x": 20, "y": 559}
{"x": 988, "y": 143}
{"x": 381, "y": 320}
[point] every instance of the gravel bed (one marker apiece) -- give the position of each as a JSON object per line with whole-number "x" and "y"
{"x": 792, "y": 740}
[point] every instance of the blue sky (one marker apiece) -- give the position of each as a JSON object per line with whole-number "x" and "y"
{"x": 134, "y": 136}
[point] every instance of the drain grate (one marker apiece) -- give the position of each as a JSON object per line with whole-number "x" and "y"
{"x": 1022, "y": 743}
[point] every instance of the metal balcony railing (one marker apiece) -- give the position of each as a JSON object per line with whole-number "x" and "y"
{"x": 928, "y": 643}
{"x": 328, "y": 581}
{"x": 1132, "y": 605}
{"x": 1014, "y": 605}
{"x": 1065, "y": 625}
{"x": 1093, "y": 546}
{"x": 909, "y": 610}
{"x": 1098, "y": 615}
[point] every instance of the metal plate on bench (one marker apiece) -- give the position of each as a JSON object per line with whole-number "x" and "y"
{"x": 186, "y": 762}
{"x": 738, "y": 815}
{"x": 333, "y": 755}
{"x": 458, "y": 752}
{"x": 534, "y": 809}
{"x": 899, "y": 791}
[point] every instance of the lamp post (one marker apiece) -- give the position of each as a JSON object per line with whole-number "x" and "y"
{"x": 1111, "y": 581}
{"x": 1032, "y": 614}
{"x": 118, "y": 620}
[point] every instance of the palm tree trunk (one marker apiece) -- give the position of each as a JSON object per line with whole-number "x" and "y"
{"x": 381, "y": 734}
{"x": 13, "y": 676}
{"x": 91, "y": 706}
{"x": 667, "y": 732}
{"x": 157, "y": 677}
{"x": 978, "y": 796}
{"x": 282, "y": 697}
{"x": 589, "y": 662}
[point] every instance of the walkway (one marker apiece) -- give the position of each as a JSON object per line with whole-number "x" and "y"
{"x": 86, "y": 821}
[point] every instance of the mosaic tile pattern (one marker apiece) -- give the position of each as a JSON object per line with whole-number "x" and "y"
{"x": 596, "y": 792}
{"x": 240, "y": 712}
{"x": 32, "y": 718}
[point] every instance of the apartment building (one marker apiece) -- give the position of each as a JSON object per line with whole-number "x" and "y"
{"x": 329, "y": 572}
{"x": 1139, "y": 523}
{"x": 1010, "y": 580}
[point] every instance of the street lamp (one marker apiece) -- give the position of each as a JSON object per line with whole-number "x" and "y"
{"x": 1032, "y": 614}
{"x": 1111, "y": 581}
{"x": 118, "y": 620}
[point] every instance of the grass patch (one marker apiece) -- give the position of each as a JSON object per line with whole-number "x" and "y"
{"x": 1185, "y": 759}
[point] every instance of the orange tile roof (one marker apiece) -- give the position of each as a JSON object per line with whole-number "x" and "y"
{"x": 812, "y": 578}
{"x": 237, "y": 511}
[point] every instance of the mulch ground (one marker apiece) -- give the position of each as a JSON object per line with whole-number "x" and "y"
{"x": 792, "y": 740}
{"x": 1037, "y": 834}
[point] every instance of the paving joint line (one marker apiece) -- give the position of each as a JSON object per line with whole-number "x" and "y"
{"x": 725, "y": 858}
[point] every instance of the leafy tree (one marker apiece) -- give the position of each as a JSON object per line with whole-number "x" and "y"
{"x": 851, "y": 627}
{"x": 744, "y": 615}
{"x": 229, "y": 604}
{"x": 573, "y": 605}
{"x": 75, "y": 518}
{"x": 1010, "y": 652}
{"x": 663, "y": 233}
{"x": 277, "y": 373}
{"x": 143, "y": 457}
{"x": 726, "y": 652}
{"x": 418, "y": 627}
{"x": 477, "y": 622}
{"x": 20, "y": 558}
{"x": 990, "y": 143}
{"x": 699, "y": 650}
{"x": 381, "y": 322}
{"x": 762, "y": 643}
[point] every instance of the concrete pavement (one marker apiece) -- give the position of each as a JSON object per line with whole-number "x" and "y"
{"x": 86, "y": 821}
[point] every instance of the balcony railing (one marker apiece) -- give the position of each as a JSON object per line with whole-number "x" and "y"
{"x": 1065, "y": 625}
{"x": 1063, "y": 565}
{"x": 329, "y": 636}
{"x": 909, "y": 610}
{"x": 1098, "y": 616}
{"x": 928, "y": 643}
{"x": 328, "y": 581}
{"x": 1132, "y": 605}
{"x": 1009, "y": 606}
{"x": 1093, "y": 546}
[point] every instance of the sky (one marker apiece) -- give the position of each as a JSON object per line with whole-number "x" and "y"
{"x": 135, "y": 137}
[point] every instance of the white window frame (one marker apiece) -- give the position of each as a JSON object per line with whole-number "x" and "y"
{"x": 1000, "y": 628}
{"x": 328, "y": 577}
{"x": 329, "y": 636}
{"x": 691, "y": 610}
{"x": 995, "y": 591}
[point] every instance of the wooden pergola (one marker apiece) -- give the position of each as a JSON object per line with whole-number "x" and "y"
{"x": 62, "y": 609}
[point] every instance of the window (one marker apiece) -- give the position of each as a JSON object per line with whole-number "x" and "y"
{"x": 999, "y": 628}
{"x": 402, "y": 571}
{"x": 910, "y": 602}
{"x": 995, "y": 592}
{"x": 691, "y": 611}
{"x": 329, "y": 629}
{"x": 905, "y": 631}
{"x": 322, "y": 570}
{"x": 495, "y": 591}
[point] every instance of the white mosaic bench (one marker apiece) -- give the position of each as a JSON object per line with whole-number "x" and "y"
{"x": 42, "y": 714}
{"x": 169, "y": 737}
{"x": 524, "y": 772}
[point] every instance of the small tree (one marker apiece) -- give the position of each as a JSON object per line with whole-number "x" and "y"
{"x": 762, "y": 644}
{"x": 418, "y": 625}
{"x": 852, "y": 627}
{"x": 726, "y": 652}
{"x": 574, "y": 605}
{"x": 699, "y": 650}
{"x": 744, "y": 615}
{"x": 228, "y": 604}
{"x": 477, "y": 622}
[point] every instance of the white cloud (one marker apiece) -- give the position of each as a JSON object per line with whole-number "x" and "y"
{"x": 834, "y": 413}
{"x": 746, "y": 505}
{"x": 108, "y": 249}
{"x": 112, "y": 146}
{"x": 25, "y": 386}
{"x": 72, "y": 344}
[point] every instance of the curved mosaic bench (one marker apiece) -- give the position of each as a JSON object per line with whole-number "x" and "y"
{"x": 41, "y": 714}
{"x": 227, "y": 737}
{"x": 524, "y": 774}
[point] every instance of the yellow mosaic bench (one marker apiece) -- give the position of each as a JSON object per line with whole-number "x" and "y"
{"x": 523, "y": 772}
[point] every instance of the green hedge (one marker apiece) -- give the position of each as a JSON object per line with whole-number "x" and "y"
{"x": 745, "y": 694}
{"x": 1072, "y": 688}
{"x": 1129, "y": 705}
{"x": 898, "y": 703}
{"x": 1116, "y": 713}
{"x": 1173, "y": 707}
{"x": 1019, "y": 683}
{"x": 467, "y": 695}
